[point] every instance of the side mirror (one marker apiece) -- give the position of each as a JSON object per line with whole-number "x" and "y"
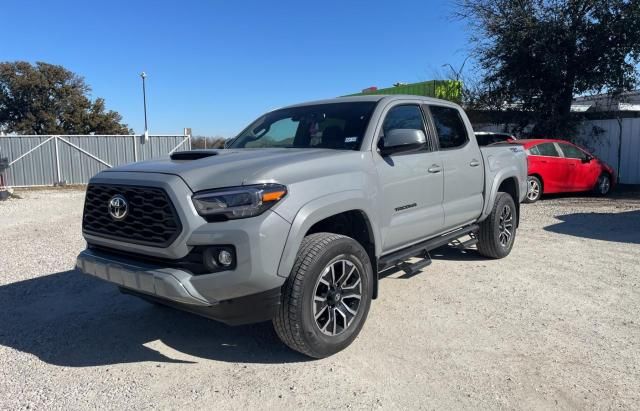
{"x": 587, "y": 159}
{"x": 401, "y": 140}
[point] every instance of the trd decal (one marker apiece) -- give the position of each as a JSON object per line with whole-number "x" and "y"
{"x": 404, "y": 207}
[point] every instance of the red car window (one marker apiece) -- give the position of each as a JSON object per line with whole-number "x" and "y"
{"x": 547, "y": 149}
{"x": 570, "y": 151}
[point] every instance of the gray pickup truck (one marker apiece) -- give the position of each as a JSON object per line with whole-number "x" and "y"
{"x": 294, "y": 220}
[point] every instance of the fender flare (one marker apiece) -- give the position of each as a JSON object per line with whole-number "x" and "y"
{"x": 495, "y": 183}
{"x": 319, "y": 209}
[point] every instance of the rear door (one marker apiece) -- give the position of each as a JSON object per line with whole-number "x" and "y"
{"x": 463, "y": 168}
{"x": 545, "y": 160}
{"x": 411, "y": 198}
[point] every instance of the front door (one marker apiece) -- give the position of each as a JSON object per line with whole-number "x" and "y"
{"x": 582, "y": 174}
{"x": 411, "y": 184}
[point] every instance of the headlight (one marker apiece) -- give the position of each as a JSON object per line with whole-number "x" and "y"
{"x": 237, "y": 202}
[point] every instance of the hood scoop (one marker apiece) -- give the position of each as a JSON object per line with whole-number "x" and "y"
{"x": 192, "y": 155}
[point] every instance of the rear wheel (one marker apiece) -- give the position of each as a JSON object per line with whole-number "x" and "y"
{"x": 326, "y": 299}
{"x": 534, "y": 189}
{"x": 603, "y": 186}
{"x": 498, "y": 231}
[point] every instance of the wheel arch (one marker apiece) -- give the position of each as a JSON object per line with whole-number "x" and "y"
{"x": 607, "y": 172}
{"x": 347, "y": 213}
{"x": 506, "y": 180}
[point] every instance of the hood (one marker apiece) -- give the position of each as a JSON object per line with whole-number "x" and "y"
{"x": 208, "y": 169}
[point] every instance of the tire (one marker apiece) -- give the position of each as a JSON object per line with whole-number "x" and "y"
{"x": 493, "y": 240}
{"x": 304, "y": 321}
{"x": 603, "y": 185}
{"x": 534, "y": 189}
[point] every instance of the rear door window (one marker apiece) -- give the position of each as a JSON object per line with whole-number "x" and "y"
{"x": 547, "y": 149}
{"x": 452, "y": 133}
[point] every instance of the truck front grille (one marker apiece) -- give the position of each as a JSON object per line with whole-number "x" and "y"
{"x": 150, "y": 218}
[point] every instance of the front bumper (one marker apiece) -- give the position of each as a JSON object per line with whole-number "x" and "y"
{"x": 168, "y": 283}
{"x": 174, "y": 287}
{"x": 258, "y": 241}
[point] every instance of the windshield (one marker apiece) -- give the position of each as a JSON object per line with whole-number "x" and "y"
{"x": 339, "y": 126}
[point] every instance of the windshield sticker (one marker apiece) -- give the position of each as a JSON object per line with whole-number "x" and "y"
{"x": 351, "y": 139}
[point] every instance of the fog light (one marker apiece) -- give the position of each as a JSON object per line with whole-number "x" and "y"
{"x": 209, "y": 259}
{"x": 225, "y": 258}
{"x": 219, "y": 258}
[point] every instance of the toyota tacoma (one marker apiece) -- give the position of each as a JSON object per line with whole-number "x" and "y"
{"x": 296, "y": 217}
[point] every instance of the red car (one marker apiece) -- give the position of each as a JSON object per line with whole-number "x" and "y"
{"x": 558, "y": 166}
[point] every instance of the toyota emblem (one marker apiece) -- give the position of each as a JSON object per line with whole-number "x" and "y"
{"x": 118, "y": 207}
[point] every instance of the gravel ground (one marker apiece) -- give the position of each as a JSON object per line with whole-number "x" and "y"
{"x": 554, "y": 325}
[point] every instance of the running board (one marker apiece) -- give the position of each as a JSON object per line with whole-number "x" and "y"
{"x": 411, "y": 269}
{"x": 424, "y": 247}
{"x": 466, "y": 244}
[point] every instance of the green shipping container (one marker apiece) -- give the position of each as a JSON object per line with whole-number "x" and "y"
{"x": 445, "y": 89}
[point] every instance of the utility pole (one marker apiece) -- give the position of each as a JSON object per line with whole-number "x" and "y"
{"x": 144, "y": 99}
{"x": 457, "y": 73}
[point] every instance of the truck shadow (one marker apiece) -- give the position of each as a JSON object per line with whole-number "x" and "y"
{"x": 449, "y": 253}
{"x": 617, "y": 227}
{"x": 72, "y": 320}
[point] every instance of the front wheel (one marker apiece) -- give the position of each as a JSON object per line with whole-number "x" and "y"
{"x": 498, "y": 231}
{"x": 326, "y": 299}
{"x": 603, "y": 185}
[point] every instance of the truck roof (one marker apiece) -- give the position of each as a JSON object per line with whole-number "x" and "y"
{"x": 373, "y": 97}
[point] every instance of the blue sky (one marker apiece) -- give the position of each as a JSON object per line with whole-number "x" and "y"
{"x": 216, "y": 65}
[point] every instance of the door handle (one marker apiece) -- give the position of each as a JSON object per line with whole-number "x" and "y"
{"x": 474, "y": 163}
{"x": 434, "y": 169}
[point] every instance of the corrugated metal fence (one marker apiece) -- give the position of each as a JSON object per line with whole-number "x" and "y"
{"x": 49, "y": 160}
{"x": 613, "y": 138}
